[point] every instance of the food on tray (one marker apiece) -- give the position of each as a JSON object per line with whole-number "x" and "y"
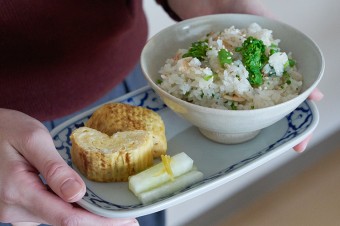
{"x": 165, "y": 178}
{"x": 105, "y": 158}
{"x": 235, "y": 69}
{"x": 116, "y": 117}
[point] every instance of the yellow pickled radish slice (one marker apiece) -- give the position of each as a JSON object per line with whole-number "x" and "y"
{"x": 166, "y": 159}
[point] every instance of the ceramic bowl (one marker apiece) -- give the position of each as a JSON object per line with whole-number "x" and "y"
{"x": 231, "y": 126}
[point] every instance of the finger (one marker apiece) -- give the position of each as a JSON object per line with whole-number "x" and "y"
{"x": 25, "y": 224}
{"x": 252, "y": 7}
{"x": 302, "y": 146}
{"x": 57, "y": 212}
{"x": 41, "y": 205}
{"x": 316, "y": 95}
{"x": 38, "y": 148}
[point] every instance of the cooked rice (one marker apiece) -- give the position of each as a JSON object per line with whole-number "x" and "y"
{"x": 207, "y": 83}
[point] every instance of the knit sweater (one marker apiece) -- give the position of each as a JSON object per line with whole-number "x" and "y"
{"x": 58, "y": 56}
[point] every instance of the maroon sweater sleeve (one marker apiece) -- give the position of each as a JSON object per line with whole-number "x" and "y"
{"x": 57, "y": 56}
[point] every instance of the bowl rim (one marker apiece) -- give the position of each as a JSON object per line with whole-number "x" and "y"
{"x": 304, "y": 95}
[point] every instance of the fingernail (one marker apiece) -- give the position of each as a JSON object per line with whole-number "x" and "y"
{"x": 132, "y": 222}
{"x": 302, "y": 147}
{"x": 316, "y": 95}
{"x": 125, "y": 222}
{"x": 70, "y": 189}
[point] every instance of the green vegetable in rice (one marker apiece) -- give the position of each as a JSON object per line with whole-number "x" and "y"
{"x": 224, "y": 57}
{"x": 286, "y": 78}
{"x": 159, "y": 81}
{"x": 208, "y": 77}
{"x": 273, "y": 49}
{"x": 254, "y": 58}
{"x": 198, "y": 50}
{"x": 291, "y": 62}
{"x": 233, "y": 106}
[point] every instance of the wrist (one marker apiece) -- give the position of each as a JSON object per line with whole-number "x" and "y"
{"x": 193, "y": 8}
{"x": 167, "y": 8}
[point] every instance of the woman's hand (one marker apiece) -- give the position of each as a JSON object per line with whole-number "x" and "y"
{"x": 27, "y": 150}
{"x": 317, "y": 96}
{"x": 193, "y": 8}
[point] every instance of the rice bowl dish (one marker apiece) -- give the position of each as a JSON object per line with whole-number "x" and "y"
{"x": 234, "y": 69}
{"x": 231, "y": 75}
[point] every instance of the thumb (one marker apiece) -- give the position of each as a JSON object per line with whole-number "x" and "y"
{"x": 38, "y": 148}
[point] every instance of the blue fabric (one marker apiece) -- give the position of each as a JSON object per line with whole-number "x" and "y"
{"x": 134, "y": 81}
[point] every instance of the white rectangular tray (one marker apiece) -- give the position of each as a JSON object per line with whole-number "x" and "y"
{"x": 220, "y": 163}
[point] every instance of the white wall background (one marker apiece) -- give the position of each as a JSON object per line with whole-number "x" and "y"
{"x": 321, "y": 21}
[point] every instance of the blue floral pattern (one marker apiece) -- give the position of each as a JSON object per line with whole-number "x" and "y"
{"x": 298, "y": 122}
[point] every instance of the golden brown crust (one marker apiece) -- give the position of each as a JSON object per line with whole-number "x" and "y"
{"x": 116, "y": 117}
{"x": 113, "y": 158}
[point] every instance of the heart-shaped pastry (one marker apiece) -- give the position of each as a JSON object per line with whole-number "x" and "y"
{"x": 117, "y": 117}
{"x": 105, "y": 158}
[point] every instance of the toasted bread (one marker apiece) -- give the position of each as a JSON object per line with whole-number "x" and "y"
{"x": 106, "y": 158}
{"x": 116, "y": 117}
